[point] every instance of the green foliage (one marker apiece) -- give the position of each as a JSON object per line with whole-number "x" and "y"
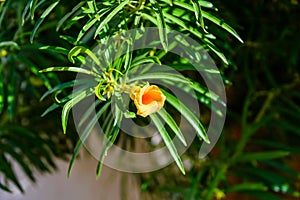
{"x": 26, "y": 142}
{"x": 102, "y": 20}
{"x": 254, "y": 154}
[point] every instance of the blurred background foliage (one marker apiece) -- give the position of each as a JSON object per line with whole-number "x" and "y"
{"x": 257, "y": 156}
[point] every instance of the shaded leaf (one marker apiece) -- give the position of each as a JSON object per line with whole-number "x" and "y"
{"x": 41, "y": 19}
{"x": 168, "y": 141}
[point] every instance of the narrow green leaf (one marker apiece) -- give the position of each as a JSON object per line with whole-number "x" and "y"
{"x": 4, "y": 10}
{"x": 65, "y": 85}
{"x": 109, "y": 142}
{"x": 89, "y": 112}
{"x": 56, "y": 49}
{"x": 112, "y": 129}
{"x": 207, "y": 42}
{"x": 70, "y": 69}
{"x": 205, "y": 4}
{"x": 144, "y": 60}
{"x": 172, "y": 124}
{"x": 8, "y": 171}
{"x": 159, "y": 76}
{"x": 5, "y": 188}
{"x": 67, "y": 107}
{"x": 10, "y": 43}
{"x": 18, "y": 159}
{"x": 161, "y": 24}
{"x": 212, "y": 18}
{"x": 248, "y": 157}
{"x": 1, "y": 90}
{"x": 51, "y": 108}
{"x": 85, "y": 135}
{"x": 25, "y": 12}
{"x": 80, "y": 49}
{"x": 41, "y": 19}
{"x": 91, "y": 22}
{"x": 222, "y": 24}
{"x": 188, "y": 114}
{"x": 198, "y": 14}
{"x": 110, "y": 16}
{"x": 32, "y": 8}
{"x": 168, "y": 141}
{"x": 247, "y": 187}
{"x": 11, "y": 93}
{"x": 216, "y": 50}
{"x": 66, "y": 16}
{"x": 86, "y": 27}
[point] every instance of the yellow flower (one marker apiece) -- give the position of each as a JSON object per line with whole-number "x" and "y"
{"x": 148, "y": 99}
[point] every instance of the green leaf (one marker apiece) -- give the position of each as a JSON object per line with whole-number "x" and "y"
{"x": 89, "y": 112}
{"x": 32, "y": 8}
{"x": 159, "y": 76}
{"x": 111, "y": 136}
{"x": 65, "y": 85}
{"x": 205, "y": 4}
{"x": 70, "y": 69}
{"x": 188, "y": 114}
{"x": 4, "y": 188}
{"x": 80, "y": 49}
{"x": 8, "y": 171}
{"x": 161, "y": 24}
{"x": 18, "y": 159}
{"x": 198, "y": 14}
{"x": 25, "y": 12}
{"x": 51, "y": 108}
{"x": 61, "y": 50}
{"x": 41, "y": 19}
{"x": 248, "y": 157}
{"x": 85, "y": 135}
{"x": 11, "y": 93}
{"x": 66, "y": 16}
{"x": 207, "y": 42}
{"x": 10, "y": 43}
{"x": 172, "y": 124}
{"x": 1, "y": 90}
{"x": 86, "y": 27}
{"x": 222, "y": 24}
{"x": 247, "y": 187}
{"x": 168, "y": 141}
{"x": 67, "y": 107}
{"x": 91, "y": 22}
{"x": 144, "y": 60}
{"x": 110, "y": 16}
{"x": 176, "y": 78}
{"x": 4, "y": 10}
{"x": 212, "y": 18}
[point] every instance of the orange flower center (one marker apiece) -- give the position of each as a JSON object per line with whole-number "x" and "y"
{"x": 151, "y": 96}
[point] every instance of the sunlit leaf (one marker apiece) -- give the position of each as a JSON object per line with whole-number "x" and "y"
{"x": 161, "y": 24}
{"x": 114, "y": 12}
{"x": 80, "y": 49}
{"x": 70, "y": 69}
